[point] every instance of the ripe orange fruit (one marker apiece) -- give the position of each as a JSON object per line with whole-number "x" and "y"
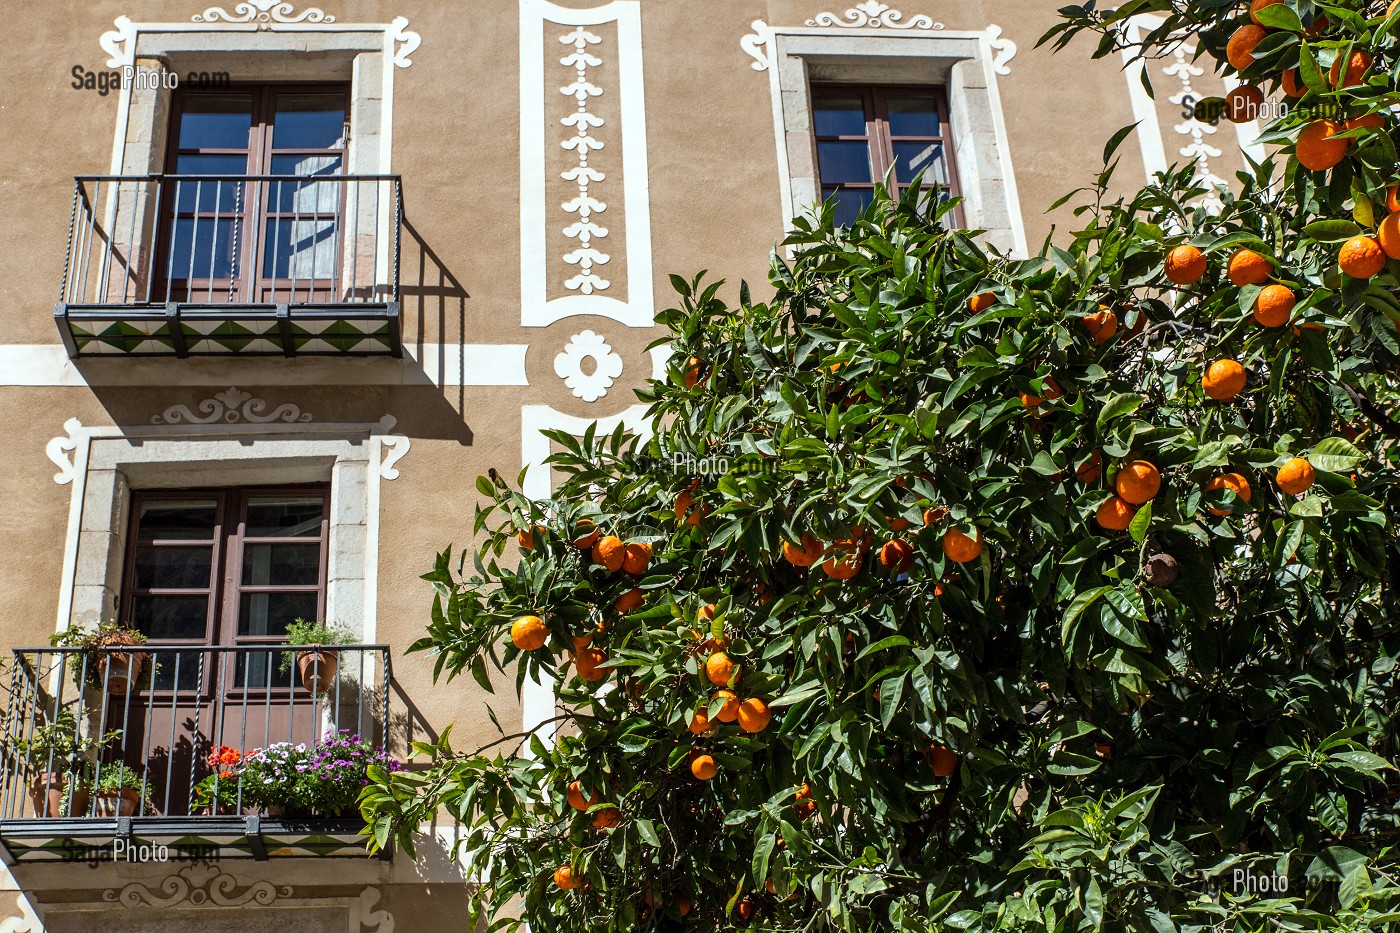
{"x": 1296, "y": 476}
{"x": 1258, "y": 5}
{"x": 1392, "y": 198}
{"x": 587, "y": 533}
{"x": 526, "y": 537}
{"x": 1101, "y": 325}
{"x": 1090, "y": 470}
{"x": 1138, "y": 481}
{"x": 581, "y": 641}
{"x": 1361, "y": 257}
{"x": 692, "y": 372}
{"x": 1240, "y": 49}
{"x": 979, "y": 303}
{"x": 934, "y": 515}
{"x": 589, "y": 663}
{"x": 610, "y": 552}
{"x": 635, "y": 558}
{"x": 704, "y": 767}
{"x": 564, "y": 878}
{"x": 1318, "y": 147}
{"x": 1356, "y": 63}
{"x": 529, "y": 633}
{"x": 706, "y": 613}
{"x": 686, "y": 511}
{"x": 682, "y": 904}
{"x": 1116, "y": 514}
{"x": 629, "y": 601}
{"x": 575, "y": 795}
{"x": 945, "y": 760}
{"x": 1223, "y": 380}
{"x": 747, "y": 908}
{"x": 754, "y": 715}
{"x": 1293, "y": 85}
{"x": 898, "y": 523}
{"x": 1246, "y": 267}
{"x": 1053, "y": 390}
{"x": 719, "y": 669}
{"x": 960, "y": 548}
{"x": 1234, "y": 482}
{"x": 1243, "y": 103}
{"x": 897, "y": 556}
{"x": 1389, "y": 235}
{"x": 804, "y": 555}
{"x": 843, "y": 568}
{"x": 730, "y": 710}
{"x": 1274, "y": 305}
{"x": 1185, "y": 265}
{"x": 1372, "y": 120}
{"x": 607, "y": 818}
{"x": 700, "y": 722}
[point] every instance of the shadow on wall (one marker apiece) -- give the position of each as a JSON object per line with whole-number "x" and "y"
{"x": 429, "y": 291}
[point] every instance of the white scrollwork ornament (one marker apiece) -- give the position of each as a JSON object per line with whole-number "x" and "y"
{"x": 197, "y": 885}
{"x": 569, "y": 366}
{"x": 60, "y": 451}
{"x": 1004, "y": 48}
{"x": 874, "y": 15}
{"x": 755, "y": 45}
{"x": 233, "y": 406}
{"x": 263, "y": 11}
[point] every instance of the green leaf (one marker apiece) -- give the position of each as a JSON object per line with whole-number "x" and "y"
{"x": 1336, "y": 455}
{"x": 1123, "y": 404}
{"x": 1138, "y": 527}
{"x": 1331, "y": 231}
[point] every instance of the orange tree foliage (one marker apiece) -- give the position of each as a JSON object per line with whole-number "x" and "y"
{"x": 1090, "y": 631}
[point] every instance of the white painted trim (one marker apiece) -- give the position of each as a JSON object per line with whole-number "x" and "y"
{"x": 473, "y": 364}
{"x": 1149, "y": 126}
{"x": 537, "y": 699}
{"x": 537, "y": 309}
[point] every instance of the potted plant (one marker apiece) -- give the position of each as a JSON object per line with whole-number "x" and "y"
{"x": 317, "y": 660}
{"x": 116, "y": 672}
{"x": 274, "y": 779}
{"x": 335, "y": 772}
{"x": 54, "y": 754}
{"x": 118, "y": 790}
{"x": 217, "y": 793}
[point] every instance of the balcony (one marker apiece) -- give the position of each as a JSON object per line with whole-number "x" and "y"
{"x": 150, "y": 746}
{"x": 233, "y": 265}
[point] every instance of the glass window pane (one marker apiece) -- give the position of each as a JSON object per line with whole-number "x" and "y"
{"x": 266, "y": 669}
{"x": 216, "y": 121}
{"x": 208, "y": 195}
{"x": 299, "y": 249}
{"x": 849, "y": 203}
{"x": 284, "y": 517}
{"x": 178, "y": 519}
{"x": 912, "y": 158}
{"x": 162, "y": 617}
{"x": 203, "y": 249}
{"x": 309, "y": 121}
{"x": 306, "y": 197}
{"x": 281, "y": 564}
{"x": 174, "y": 568}
{"x": 183, "y": 665}
{"x": 912, "y": 116}
{"x": 840, "y": 162}
{"x": 270, "y": 613}
{"x": 839, "y": 116}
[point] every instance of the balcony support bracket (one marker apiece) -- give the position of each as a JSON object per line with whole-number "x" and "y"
{"x": 177, "y": 333}
{"x": 252, "y": 828}
{"x": 284, "y": 328}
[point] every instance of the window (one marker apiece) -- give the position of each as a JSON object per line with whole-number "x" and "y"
{"x": 863, "y": 131}
{"x": 224, "y": 224}
{"x": 225, "y": 567}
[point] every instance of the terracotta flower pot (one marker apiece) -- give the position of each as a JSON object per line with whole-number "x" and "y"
{"x": 117, "y": 803}
{"x": 120, "y": 670}
{"x": 49, "y": 795}
{"x": 318, "y": 668}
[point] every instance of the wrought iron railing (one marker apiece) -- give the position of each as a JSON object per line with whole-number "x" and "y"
{"x": 189, "y": 264}
{"x": 162, "y": 713}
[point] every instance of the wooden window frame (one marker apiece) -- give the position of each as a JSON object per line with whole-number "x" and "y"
{"x": 230, "y": 538}
{"x": 879, "y": 142}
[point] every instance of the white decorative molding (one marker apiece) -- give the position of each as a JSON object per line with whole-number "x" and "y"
{"x": 262, "y": 11}
{"x": 755, "y": 45}
{"x": 1004, "y": 48}
{"x": 585, "y": 205}
{"x": 198, "y": 885}
{"x": 397, "y": 444}
{"x": 230, "y": 407}
{"x": 873, "y": 15}
{"x": 365, "y": 918}
{"x": 26, "y": 922}
{"x": 577, "y": 268}
{"x": 407, "y": 39}
{"x": 120, "y": 43}
{"x": 60, "y": 451}
{"x": 607, "y": 366}
{"x": 1198, "y": 150}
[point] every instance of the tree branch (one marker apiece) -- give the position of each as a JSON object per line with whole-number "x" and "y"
{"x": 1377, "y": 416}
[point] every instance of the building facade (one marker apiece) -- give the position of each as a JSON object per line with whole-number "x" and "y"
{"x": 281, "y": 280}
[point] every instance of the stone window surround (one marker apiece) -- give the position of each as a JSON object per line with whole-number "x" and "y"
{"x": 108, "y": 463}
{"x": 961, "y": 62}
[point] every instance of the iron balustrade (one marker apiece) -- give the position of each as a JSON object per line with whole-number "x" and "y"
{"x": 186, "y": 702}
{"x": 191, "y": 264}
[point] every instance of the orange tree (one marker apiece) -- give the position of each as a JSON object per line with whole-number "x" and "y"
{"x": 957, "y": 591}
